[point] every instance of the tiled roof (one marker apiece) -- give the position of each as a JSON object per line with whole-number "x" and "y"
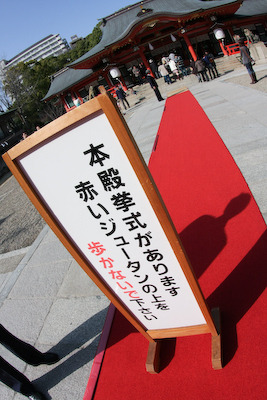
{"x": 6, "y": 113}
{"x": 119, "y": 24}
{"x": 252, "y": 7}
{"x": 66, "y": 79}
{"x": 114, "y": 31}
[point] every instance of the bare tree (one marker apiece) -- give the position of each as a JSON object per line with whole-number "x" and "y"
{"x": 5, "y": 101}
{"x": 16, "y": 88}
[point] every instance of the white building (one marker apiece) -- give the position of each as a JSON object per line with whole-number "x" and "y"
{"x": 51, "y": 45}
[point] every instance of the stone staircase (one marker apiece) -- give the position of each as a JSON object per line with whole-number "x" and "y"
{"x": 228, "y": 63}
{"x": 257, "y": 50}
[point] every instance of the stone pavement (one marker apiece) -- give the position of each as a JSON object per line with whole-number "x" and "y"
{"x": 47, "y": 299}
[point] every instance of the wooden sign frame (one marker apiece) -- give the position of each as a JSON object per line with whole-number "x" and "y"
{"x": 104, "y": 104}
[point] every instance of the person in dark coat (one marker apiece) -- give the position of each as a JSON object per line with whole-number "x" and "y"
{"x": 247, "y": 60}
{"x": 11, "y": 376}
{"x": 210, "y": 64}
{"x": 201, "y": 69}
{"x": 154, "y": 68}
{"x": 192, "y": 66}
{"x": 121, "y": 96}
{"x": 153, "y": 84}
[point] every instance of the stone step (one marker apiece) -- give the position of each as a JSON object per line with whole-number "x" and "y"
{"x": 228, "y": 63}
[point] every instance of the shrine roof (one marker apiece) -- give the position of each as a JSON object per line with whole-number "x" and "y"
{"x": 118, "y": 25}
{"x": 69, "y": 77}
{"x": 249, "y": 8}
{"x": 4, "y": 114}
{"x": 66, "y": 79}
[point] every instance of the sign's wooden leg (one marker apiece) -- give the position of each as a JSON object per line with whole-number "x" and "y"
{"x": 217, "y": 361}
{"x": 153, "y": 357}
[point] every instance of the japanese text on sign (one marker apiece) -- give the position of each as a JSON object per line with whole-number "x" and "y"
{"x": 91, "y": 187}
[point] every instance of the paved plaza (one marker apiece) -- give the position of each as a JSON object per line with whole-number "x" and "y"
{"x": 45, "y": 297}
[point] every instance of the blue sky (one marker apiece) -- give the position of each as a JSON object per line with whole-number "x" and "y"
{"x": 25, "y": 22}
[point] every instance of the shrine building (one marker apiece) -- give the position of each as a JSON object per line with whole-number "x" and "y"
{"x": 150, "y": 29}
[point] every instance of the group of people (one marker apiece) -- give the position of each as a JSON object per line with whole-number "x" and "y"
{"x": 171, "y": 64}
{"x": 121, "y": 93}
{"x": 204, "y": 67}
{"x": 139, "y": 72}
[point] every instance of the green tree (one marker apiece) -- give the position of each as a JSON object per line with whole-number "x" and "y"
{"x": 26, "y": 85}
{"x": 86, "y": 44}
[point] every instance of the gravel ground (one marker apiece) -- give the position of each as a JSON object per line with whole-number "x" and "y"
{"x": 244, "y": 80}
{"x": 20, "y": 222}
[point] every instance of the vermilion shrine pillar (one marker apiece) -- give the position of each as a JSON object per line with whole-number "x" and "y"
{"x": 190, "y": 47}
{"x": 223, "y": 49}
{"x": 141, "y": 54}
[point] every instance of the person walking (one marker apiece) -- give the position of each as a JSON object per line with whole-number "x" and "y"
{"x": 247, "y": 60}
{"x": 209, "y": 65}
{"x": 213, "y": 64}
{"x": 164, "y": 72}
{"x": 192, "y": 66}
{"x": 137, "y": 75}
{"x": 154, "y": 68}
{"x": 121, "y": 96}
{"x": 180, "y": 62}
{"x": 153, "y": 84}
{"x": 173, "y": 68}
{"x": 201, "y": 69}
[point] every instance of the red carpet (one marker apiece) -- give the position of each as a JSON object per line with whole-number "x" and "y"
{"x": 225, "y": 237}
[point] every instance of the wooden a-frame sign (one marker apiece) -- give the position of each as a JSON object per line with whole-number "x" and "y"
{"x": 87, "y": 178}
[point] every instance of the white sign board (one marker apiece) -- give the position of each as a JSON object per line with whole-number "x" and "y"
{"x": 86, "y": 180}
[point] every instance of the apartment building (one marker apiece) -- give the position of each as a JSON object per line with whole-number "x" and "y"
{"x": 52, "y": 45}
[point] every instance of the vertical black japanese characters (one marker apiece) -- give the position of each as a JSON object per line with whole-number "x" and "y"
{"x": 137, "y": 285}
